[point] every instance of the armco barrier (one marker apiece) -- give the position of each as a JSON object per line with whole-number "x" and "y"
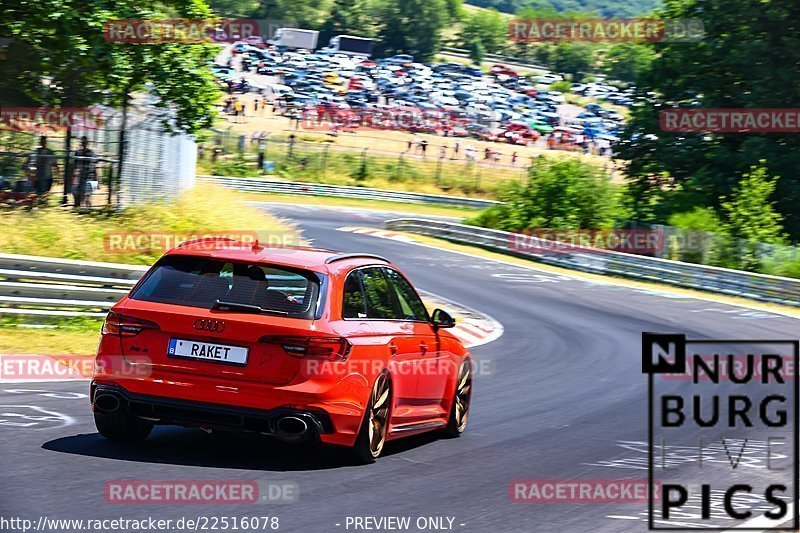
{"x": 263, "y": 185}
{"x": 45, "y": 286}
{"x": 510, "y": 60}
{"x": 719, "y": 280}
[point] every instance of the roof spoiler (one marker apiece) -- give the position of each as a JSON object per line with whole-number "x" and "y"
{"x": 342, "y": 257}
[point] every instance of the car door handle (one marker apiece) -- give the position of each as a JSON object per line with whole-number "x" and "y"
{"x": 423, "y": 348}
{"x": 392, "y": 348}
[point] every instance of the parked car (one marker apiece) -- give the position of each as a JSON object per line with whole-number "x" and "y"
{"x": 400, "y": 59}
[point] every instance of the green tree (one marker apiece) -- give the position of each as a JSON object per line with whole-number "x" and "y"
{"x": 627, "y": 61}
{"x": 75, "y": 65}
{"x": 308, "y": 14}
{"x": 411, "y": 26}
{"x": 476, "y": 50}
{"x": 559, "y": 194}
{"x": 750, "y": 222}
{"x": 347, "y": 17}
{"x": 750, "y": 212}
{"x": 230, "y": 8}
{"x": 574, "y": 58}
{"x": 748, "y": 58}
{"x": 488, "y": 26}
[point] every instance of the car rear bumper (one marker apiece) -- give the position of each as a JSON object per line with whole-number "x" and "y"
{"x": 331, "y": 422}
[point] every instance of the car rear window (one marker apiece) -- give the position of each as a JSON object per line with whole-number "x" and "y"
{"x": 201, "y": 281}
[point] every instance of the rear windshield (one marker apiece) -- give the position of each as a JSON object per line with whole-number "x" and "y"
{"x": 201, "y": 281}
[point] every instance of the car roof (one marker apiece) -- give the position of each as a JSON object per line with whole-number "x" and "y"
{"x": 315, "y": 259}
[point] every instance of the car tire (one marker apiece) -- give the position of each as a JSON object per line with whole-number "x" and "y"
{"x": 375, "y": 426}
{"x": 459, "y": 411}
{"x": 122, "y": 427}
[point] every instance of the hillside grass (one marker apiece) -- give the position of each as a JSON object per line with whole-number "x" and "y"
{"x": 59, "y": 232}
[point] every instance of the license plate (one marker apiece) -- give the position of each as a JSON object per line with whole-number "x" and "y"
{"x": 207, "y": 351}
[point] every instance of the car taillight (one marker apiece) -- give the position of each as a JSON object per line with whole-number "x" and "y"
{"x": 327, "y": 348}
{"x": 126, "y": 326}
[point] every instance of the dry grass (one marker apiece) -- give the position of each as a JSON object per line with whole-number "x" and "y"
{"x": 58, "y": 341}
{"x": 59, "y": 232}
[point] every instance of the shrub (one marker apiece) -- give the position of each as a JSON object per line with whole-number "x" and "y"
{"x": 559, "y": 194}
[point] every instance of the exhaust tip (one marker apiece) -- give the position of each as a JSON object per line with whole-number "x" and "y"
{"x": 107, "y": 403}
{"x": 292, "y": 426}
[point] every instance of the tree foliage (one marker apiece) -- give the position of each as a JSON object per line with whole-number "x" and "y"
{"x": 476, "y": 50}
{"x": 74, "y": 65}
{"x": 347, "y": 17}
{"x": 627, "y": 61}
{"x": 558, "y": 194}
{"x": 411, "y": 26}
{"x": 749, "y": 58}
{"x": 603, "y": 8}
{"x": 489, "y": 27}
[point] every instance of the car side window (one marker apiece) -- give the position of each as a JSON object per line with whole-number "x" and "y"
{"x": 354, "y": 305}
{"x": 411, "y": 305}
{"x": 380, "y": 299}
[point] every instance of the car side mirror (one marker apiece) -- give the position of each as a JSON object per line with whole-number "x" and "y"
{"x": 441, "y": 319}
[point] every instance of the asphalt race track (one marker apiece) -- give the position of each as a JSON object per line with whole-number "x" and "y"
{"x": 561, "y": 395}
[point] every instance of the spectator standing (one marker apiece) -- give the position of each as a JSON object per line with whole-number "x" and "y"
{"x": 44, "y": 161}
{"x": 86, "y": 171}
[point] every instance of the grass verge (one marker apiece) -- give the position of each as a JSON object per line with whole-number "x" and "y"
{"x": 62, "y": 233}
{"x": 115, "y": 237}
{"x": 378, "y": 205}
{"x": 75, "y": 336}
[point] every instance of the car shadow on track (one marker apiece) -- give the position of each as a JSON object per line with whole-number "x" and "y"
{"x": 190, "y": 447}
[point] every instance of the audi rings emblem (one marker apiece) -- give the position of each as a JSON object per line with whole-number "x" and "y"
{"x": 214, "y": 326}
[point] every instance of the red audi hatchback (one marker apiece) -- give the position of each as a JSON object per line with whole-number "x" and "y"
{"x": 290, "y": 342}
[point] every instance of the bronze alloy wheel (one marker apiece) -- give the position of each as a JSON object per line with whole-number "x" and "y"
{"x": 463, "y": 396}
{"x": 379, "y": 414}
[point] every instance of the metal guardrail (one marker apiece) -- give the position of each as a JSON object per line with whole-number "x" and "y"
{"x": 51, "y": 287}
{"x": 263, "y": 185}
{"x": 506, "y": 59}
{"x": 760, "y": 287}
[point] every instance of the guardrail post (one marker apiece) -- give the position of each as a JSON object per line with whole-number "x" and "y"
{"x": 67, "y": 169}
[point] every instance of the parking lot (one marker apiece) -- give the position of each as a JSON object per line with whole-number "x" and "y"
{"x": 333, "y": 93}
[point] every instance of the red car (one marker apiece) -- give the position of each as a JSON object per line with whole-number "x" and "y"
{"x": 290, "y": 342}
{"x": 502, "y": 70}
